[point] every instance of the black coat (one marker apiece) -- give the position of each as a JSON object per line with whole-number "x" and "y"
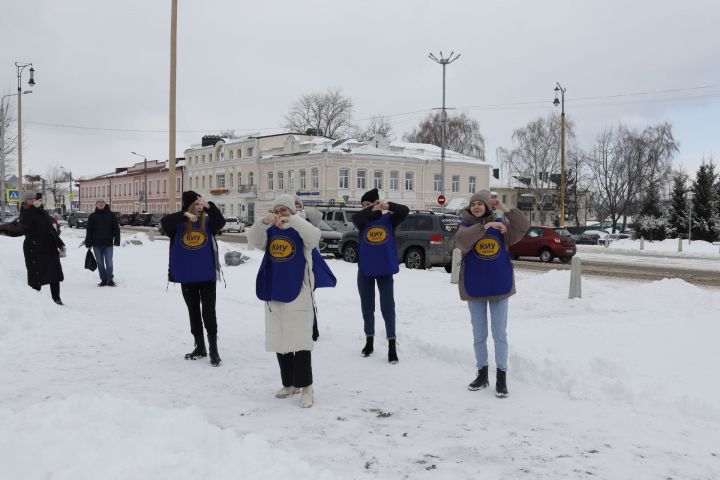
{"x": 40, "y": 247}
{"x": 102, "y": 229}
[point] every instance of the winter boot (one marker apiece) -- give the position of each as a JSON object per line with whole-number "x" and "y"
{"x": 111, "y": 284}
{"x": 102, "y": 283}
{"x": 214, "y": 355}
{"x": 199, "y": 349}
{"x": 368, "y": 348}
{"x": 58, "y": 301}
{"x": 481, "y": 381}
{"x": 392, "y": 353}
{"x": 501, "y": 390}
{"x": 286, "y": 392}
{"x": 307, "y": 398}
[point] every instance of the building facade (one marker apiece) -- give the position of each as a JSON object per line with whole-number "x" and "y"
{"x": 244, "y": 176}
{"x": 124, "y": 190}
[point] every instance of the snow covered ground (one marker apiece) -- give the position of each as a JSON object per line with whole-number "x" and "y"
{"x": 619, "y": 384}
{"x": 696, "y": 248}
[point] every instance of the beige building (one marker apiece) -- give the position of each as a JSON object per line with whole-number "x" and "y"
{"x": 243, "y": 176}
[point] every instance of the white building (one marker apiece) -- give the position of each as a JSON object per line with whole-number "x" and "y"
{"x": 243, "y": 176}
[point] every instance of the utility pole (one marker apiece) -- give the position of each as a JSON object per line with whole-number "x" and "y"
{"x": 559, "y": 89}
{"x": 20, "y": 67}
{"x": 171, "y": 129}
{"x": 444, "y": 62}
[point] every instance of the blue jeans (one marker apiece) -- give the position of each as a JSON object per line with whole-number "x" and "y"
{"x": 104, "y": 257}
{"x": 366, "y": 287}
{"x": 498, "y": 320}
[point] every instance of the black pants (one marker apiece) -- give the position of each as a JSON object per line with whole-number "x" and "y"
{"x": 54, "y": 290}
{"x": 295, "y": 368}
{"x": 195, "y": 295}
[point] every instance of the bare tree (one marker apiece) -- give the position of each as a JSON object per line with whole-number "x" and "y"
{"x": 57, "y": 182}
{"x": 577, "y": 185}
{"x": 609, "y": 177}
{"x": 326, "y": 113}
{"x": 377, "y": 125}
{"x": 228, "y": 134}
{"x": 462, "y": 134}
{"x": 534, "y": 160}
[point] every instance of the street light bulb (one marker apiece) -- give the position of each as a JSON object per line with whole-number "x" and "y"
{"x": 556, "y": 102}
{"x": 31, "y": 82}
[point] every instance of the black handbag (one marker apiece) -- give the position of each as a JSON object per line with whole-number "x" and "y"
{"x": 90, "y": 262}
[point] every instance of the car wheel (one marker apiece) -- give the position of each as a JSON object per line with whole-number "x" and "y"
{"x": 514, "y": 257}
{"x": 565, "y": 259}
{"x": 415, "y": 258}
{"x": 350, "y": 253}
{"x": 546, "y": 255}
{"x": 448, "y": 268}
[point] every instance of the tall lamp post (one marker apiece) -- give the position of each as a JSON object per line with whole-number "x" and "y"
{"x": 559, "y": 89}
{"x": 444, "y": 62}
{"x": 20, "y": 66}
{"x": 69, "y": 176}
{"x": 690, "y": 209}
{"x": 3, "y": 111}
{"x": 145, "y": 190}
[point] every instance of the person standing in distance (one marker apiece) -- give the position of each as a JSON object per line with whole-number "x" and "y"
{"x": 194, "y": 264}
{"x": 102, "y": 232}
{"x": 487, "y": 279}
{"x": 377, "y": 263}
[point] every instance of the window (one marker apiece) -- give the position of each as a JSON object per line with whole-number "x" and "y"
{"x": 239, "y": 153}
{"x": 378, "y": 179}
{"x": 165, "y": 186}
{"x": 455, "y": 183}
{"x": 437, "y": 182}
{"x": 362, "y": 179}
{"x": 203, "y": 158}
{"x": 221, "y": 207}
{"x": 210, "y": 182}
{"x": 291, "y": 180}
{"x": 209, "y": 157}
{"x": 409, "y": 181}
{"x": 270, "y": 185}
{"x": 232, "y": 152}
{"x": 251, "y": 179}
{"x": 220, "y": 181}
{"x": 344, "y": 173}
{"x": 203, "y": 181}
{"x": 471, "y": 185}
{"x": 394, "y": 180}
{"x": 315, "y": 178}
{"x": 157, "y": 186}
{"x": 231, "y": 177}
{"x": 177, "y": 186}
{"x": 504, "y": 198}
{"x": 281, "y": 181}
{"x": 250, "y": 151}
{"x": 303, "y": 179}
{"x": 239, "y": 178}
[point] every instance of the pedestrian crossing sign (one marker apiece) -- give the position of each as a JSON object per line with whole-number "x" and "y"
{"x": 13, "y": 195}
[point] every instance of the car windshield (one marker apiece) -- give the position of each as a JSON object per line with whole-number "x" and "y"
{"x": 81, "y": 214}
{"x": 562, "y": 232}
{"x": 324, "y": 227}
{"x": 230, "y": 219}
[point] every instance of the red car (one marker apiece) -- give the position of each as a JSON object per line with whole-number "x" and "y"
{"x": 546, "y": 243}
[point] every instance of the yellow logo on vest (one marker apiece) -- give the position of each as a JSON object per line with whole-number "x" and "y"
{"x": 487, "y": 248}
{"x": 194, "y": 239}
{"x": 376, "y": 235}
{"x": 281, "y": 249}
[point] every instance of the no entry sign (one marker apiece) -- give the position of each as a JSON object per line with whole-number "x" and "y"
{"x": 441, "y": 200}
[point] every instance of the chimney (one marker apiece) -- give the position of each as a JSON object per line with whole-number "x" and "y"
{"x": 496, "y": 173}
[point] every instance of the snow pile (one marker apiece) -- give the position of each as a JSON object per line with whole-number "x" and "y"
{"x": 670, "y": 245}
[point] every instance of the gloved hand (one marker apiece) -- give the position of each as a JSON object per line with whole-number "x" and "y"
{"x": 116, "y": 243}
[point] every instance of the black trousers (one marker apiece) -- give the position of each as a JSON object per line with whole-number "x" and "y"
{"x": 195, "y": 295}
{"x": 54, "y": 290}
{"x": 295, "y": 368}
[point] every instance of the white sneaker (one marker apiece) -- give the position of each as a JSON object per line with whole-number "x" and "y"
{"x": 285, "y": 392}
{"x": 306, "y": 400}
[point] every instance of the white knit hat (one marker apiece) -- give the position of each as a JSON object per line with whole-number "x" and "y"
{"x": 286, "y": 201}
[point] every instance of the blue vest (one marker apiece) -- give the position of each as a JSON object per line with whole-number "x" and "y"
{"x": 282, "y": 270}
{"x": 488, "y": 269}
{"x": 192, "y": 258}
{"x": 321, "y": 270}
{"x": 377, "y": 251}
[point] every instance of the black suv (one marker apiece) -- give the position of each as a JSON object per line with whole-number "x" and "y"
{"x": 425, "y": 239}
{"x": 77, "y": 219}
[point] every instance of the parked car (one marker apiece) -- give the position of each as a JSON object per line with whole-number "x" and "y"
{"x": 425, "y": 239}
{"x": 127, "y": 219}
{"x": 11, "y": 227}
{"x": 545, "y": 243}
{"x": 232, "y": 224}
{"x": 615, "y": 236}
{"x": 155, "y": 219}
{"x": 329, "y": 239}
{"x": 340, "y": 218}
{"x": 586, "y": 239}
{"x": 78, "y": 219}
{"x": 142, "y": 219}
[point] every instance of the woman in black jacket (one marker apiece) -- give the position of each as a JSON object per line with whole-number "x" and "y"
{"x": 42, "y": 246}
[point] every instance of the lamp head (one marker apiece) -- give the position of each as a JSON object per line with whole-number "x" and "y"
{"x": 31, "y": 82}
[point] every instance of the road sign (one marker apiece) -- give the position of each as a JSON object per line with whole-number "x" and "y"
{"x": 13, "y": 195}
{"x": 441, "y": 200}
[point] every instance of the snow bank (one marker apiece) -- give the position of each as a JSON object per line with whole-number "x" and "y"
{"x": 670, "y": 245}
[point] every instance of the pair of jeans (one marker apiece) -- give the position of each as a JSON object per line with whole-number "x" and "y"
{"x": 366, "y": 288}
{"x": 295, "y": 368}
{"x": 104, "y": 257}
{"x": 498, "y": 321}
{"x": 195, "y": 295}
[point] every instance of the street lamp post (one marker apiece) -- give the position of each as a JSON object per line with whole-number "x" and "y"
{"x": 444, "y": 62}
{"x": 20, "y": 66}
{"x": 690, "y": 204}
{"x": 145, "y": 190}
{"x": 560, "y": 90}
{"x": 3, "y": 111}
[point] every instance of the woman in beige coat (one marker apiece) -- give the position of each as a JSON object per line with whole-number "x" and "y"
{"x": 285, "y": 283}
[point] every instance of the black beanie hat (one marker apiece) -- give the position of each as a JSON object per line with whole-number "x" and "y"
{"x": 370, "y": 196}
{"x": 187, "y": 199}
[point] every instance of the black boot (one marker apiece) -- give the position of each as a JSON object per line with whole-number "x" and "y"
{"x": 58, "y": 301}
{"x": 501, "y": 390}
{"x": 199, "y": 349}
{"x": 368, "y": 348}
{"x": 392, "y": 353}
{"x": 102, "y": 283}
{"x": 316, "y": 333}
{"x": 214, "y": 355}
{"x": 481, "y": 381}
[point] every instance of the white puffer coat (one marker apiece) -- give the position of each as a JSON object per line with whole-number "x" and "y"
{"x": 288, "y": 326}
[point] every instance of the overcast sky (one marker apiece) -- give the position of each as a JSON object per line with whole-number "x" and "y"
{"x": 103, "y": 66}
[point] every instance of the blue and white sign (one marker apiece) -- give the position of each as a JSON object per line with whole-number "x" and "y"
{"x": 13, "y": 195}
